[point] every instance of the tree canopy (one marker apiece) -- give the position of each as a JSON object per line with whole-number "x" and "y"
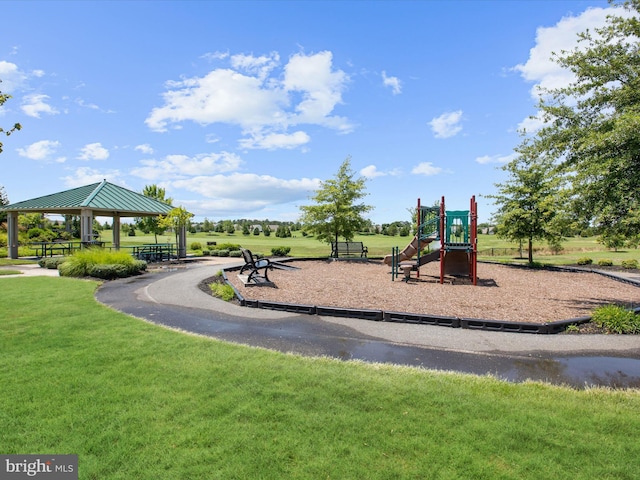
{"x": 335, "y": 213}
{"x": 591, "y": 125}
{"x": 531, "y": 202}
{"x": 152, "y": 224}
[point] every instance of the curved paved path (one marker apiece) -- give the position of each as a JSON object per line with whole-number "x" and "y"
{"x": 172, "y": 298}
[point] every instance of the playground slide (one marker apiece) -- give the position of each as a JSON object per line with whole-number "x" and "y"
{"x": 410, "y": 250}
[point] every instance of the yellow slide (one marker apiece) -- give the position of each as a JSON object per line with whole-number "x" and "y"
{"x": 410, "y": 250}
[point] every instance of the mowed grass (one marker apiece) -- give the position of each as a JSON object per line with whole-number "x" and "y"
{"x": 137, "y": 401}
{"x": 381, "y": 245}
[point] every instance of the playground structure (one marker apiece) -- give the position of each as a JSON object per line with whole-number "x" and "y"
{"x": 454, "y": 231}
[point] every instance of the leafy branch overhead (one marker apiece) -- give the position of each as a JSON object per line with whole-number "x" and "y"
{"x": 591, "y": 126}
{"x": 583, "y": 166}
{"x": 3, "y": 98}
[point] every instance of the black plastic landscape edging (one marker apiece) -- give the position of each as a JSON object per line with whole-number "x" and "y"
{"x": 425, "y": 319}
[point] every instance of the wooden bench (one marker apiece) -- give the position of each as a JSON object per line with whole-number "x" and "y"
{"x": 253, "y": 265}
{"x": 348, "y": 249}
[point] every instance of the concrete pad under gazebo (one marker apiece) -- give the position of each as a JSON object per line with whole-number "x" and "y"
{"x": 99, "y": 199}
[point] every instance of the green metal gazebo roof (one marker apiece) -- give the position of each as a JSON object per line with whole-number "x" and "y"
{"x": 104, "y": 199}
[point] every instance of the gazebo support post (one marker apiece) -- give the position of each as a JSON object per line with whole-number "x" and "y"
{"x": 86, "y": 225}
{"x": 12, "y": 235}
{"x": 182, "y": 242}
{"x": 115, "y": 229}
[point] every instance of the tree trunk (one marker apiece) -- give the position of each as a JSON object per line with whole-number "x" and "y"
{"x": 530, "y": 250}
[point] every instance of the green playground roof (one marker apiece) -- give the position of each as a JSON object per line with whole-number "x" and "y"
{"x": 103, "y": 198}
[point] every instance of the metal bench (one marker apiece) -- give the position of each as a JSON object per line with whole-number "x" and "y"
{"x": 348, "y": 249}
{"x": 253, "y": 265}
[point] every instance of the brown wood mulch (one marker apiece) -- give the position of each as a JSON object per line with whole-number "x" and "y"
{"x": 503, "y": 293}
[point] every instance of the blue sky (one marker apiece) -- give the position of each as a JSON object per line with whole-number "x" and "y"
{"x": 239, "y": 109}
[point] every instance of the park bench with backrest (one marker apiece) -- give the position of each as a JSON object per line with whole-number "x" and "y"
{"x": 253, "y": 265}
{"x": 348, "y": 249}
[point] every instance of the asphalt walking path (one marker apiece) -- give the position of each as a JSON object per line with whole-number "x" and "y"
{"x": 171, "y": 297}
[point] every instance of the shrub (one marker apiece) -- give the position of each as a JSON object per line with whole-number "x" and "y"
{"x": 228, "y": 246}
{"x": 223, "y": 291}
{"x": 223, "y": 253}
{"x": 631, "y": 264}
{"x": 280, "y": 251}
{"x": 605, "y": 262}
{"x": 616, "y": 319}
{"x": 584, "y": 261}
{"x": 215, "y": 253}
{"x": 82, "y": 263}
{"x": 195, "y": 246}
{"x": 235, "y": 253}
{"x": 51, "y": 263}
{"x": 206, "y": 252}
{"x": 108, "y": 271}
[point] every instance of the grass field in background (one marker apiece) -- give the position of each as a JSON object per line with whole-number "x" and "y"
{"x": 490, "y": 247}
{"x": 381, "y": 245}
{"x": 137, "y": 401}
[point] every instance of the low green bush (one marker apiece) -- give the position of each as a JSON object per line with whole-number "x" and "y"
{"x": 280, "y": 251}
{"x": 235, "y": 253}
{"x": 223, "y": 253}
{"x": 631, "y": 264}
{"x": 605, "y": 262}
{"x": 108, "y": 271}
{"x": 215, "y": 253}
{"x": 616, "y": 319}
{"x": 195, "y": 246}
{"x": 584, "y": 261}
{"x": 206, "y": 252}
{"x": 227, "y": 246}
{"x": 52, "y": 263}
{"x": 223, "y": 291}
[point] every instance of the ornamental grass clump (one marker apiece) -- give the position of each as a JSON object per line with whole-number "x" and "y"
{"x": 616, "y": 319}
{"x": 223, "y": 291}
{"x": 99, "y": 263}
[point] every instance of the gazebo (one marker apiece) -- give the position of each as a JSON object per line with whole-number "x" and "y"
{"x": 99, "y": 199}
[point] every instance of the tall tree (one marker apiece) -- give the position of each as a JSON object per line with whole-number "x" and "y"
{"x": 3, "y": 98}
{"x": 335, "y": 213}
{"x": 531, "y": 202}
{"x": 152, "y": 224}
{"x": 592, "y": 124}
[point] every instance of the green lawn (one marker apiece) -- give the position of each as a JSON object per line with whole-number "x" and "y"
{"x": 381, "y": 245}
{"x": 136, "y": 401}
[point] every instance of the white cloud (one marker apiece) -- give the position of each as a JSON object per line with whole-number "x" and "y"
{"x": 86, "y": 176}
{"x": 500, "y": 159}
{"x": 11, "y": 76}
{"x": 44, "y": 151}
{"x": 93, "y": 151}
{"x": 257, "y": 190}
{"x": 392, "y": 82}
{"x": 531, "y": 124}
{"x": 259, "y": 66}
{"x": 35, "y": 104}
{"x": 427, "y": 169}
{"x": 540, "y": 68}
{"x": 371, "y": 171}
{"x": 263, "y": 100}
{"x": 275, "y": 141}
{"x": 563, "y": 36}
{"x": 144, "y": 148}
{"x": 180, "y": 166}
{"x": 447, "y": 125}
